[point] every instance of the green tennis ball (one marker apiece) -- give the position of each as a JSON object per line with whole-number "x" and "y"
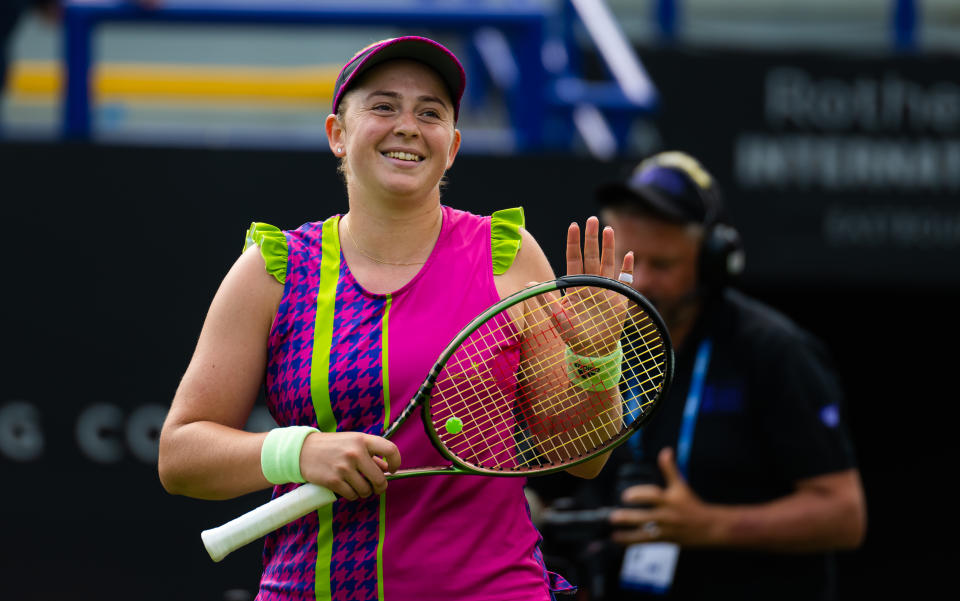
{"x": 453, "y": 425}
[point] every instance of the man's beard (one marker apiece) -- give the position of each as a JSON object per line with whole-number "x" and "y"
{"x": 677, "y": 312}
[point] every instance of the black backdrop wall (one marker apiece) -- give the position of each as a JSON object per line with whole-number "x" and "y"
{"x": 113, "y": 254}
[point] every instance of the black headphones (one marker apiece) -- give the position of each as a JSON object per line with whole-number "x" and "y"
{"x": 722, "y": 257}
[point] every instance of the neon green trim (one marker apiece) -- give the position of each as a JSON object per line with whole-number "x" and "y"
{"x": 386, "y": 422}
{"x": 321, "y": 582}
{"x": 319, "y": 385}
{"x": 505, "y": 237}
{"x": 323, "y": 326}
{"x": 280, "y": 454}
{"x": 383, "y": 532}
{"x": 384, "y": 360}
{"x": 273, "y": 248}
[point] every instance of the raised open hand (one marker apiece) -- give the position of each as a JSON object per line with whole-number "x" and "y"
{"x": 590, "y": 320}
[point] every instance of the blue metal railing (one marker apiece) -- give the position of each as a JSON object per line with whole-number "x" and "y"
{"x": 904, "y": 23}
{"x": 538, "y": 102}
{"x": 522, "y": 22}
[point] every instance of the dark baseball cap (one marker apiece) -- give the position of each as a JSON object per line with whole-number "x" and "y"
{"x": 424, "y": 50}
{"x": 662, "y": 187}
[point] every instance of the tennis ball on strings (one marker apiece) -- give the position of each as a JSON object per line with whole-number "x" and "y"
{"x": 453, "y": 425}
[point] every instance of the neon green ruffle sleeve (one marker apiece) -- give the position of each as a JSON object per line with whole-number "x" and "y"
{"x": 273, "y": 248}
{"x": 505, "y": 237}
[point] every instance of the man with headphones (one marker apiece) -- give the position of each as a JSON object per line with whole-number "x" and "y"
{"x": 744, "y": 480}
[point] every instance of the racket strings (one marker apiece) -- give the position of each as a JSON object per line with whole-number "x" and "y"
{"x": 601, "y": 432}
{"x": 635, "y": 358}
{"x": 485, "y": 412}
{"x": 543, "y": 361}
{"x": 480, "y": 387}
{"x": 549, "y": 405}
{"x": 505, "y": 324}
{"x": 546, "y": 403}
{"x": 578, "y": 445}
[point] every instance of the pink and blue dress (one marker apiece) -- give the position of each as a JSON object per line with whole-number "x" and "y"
{"x": 343, "y": 359}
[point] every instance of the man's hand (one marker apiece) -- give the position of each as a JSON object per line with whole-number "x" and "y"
{"x": 823, "y": 512}
{"x": 672, "y": 513}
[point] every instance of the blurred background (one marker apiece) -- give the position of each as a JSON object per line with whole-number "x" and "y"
{"x": 139, "y": 139}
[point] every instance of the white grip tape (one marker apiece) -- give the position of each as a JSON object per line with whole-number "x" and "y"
{"x": 258, "y": 522}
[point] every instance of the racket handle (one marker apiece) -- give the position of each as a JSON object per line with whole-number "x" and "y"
{"x": 258, "y": 522}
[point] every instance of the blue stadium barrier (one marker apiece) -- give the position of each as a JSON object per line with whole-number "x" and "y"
{"x": 540, "y": 102}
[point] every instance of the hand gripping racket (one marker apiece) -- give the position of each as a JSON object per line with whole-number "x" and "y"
{"x": 543, "y": 380}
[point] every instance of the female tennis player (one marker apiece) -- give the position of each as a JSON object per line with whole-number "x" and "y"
{"x": 341, "y": 320}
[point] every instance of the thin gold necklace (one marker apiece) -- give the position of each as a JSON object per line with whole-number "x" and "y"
{"x": 374, "y": 259}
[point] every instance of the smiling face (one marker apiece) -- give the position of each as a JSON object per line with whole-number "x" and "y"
{"x": 396, "y": 131}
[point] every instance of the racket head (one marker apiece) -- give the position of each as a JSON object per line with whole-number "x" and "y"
{"x": 508, "y": 397}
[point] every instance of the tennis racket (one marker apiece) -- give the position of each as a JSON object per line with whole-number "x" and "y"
{"x": 543, "y": 380}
